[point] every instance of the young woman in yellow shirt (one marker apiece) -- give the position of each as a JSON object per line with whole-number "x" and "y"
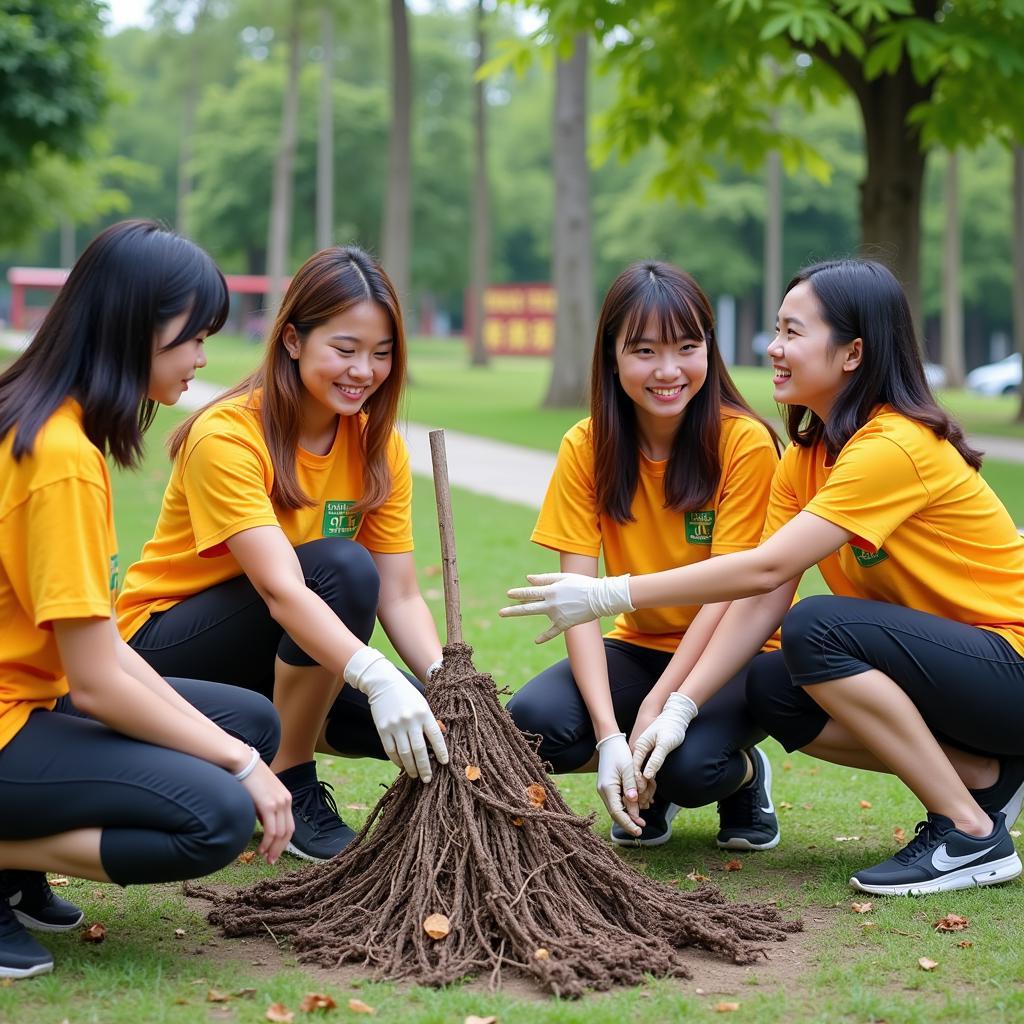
{"x": 671, "y": 468}
{"x": 107, "y": 770}
{"x": 285, "y": 534}
{"x": 915, "y": 664}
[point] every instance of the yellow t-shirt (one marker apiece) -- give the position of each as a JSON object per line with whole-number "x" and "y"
{"x": 659, "y": 538}
{"x": 930, "y": 533}
{"x": 58, "y": 558}
{"x": 220, "y": 485}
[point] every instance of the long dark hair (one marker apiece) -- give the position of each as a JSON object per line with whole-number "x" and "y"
{"x": 643, "y": 290}
{"x": 862, "y": 299}
{"x": 328, "y": 283}
{"x": 95, "y": 343}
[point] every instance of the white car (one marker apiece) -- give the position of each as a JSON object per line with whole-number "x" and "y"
{"x": 1002, "y": 378}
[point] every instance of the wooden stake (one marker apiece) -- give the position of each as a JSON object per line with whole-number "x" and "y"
{"x": 446, "y": 526}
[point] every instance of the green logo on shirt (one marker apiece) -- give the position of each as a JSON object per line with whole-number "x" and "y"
{"x": 868, "y": 558}
{"x": 700, "y": 526}
{"x": 114, "y": 578}
{"x": 339, "y": 521}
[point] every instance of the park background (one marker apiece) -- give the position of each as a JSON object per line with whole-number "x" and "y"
{"x": 716, "y": 135}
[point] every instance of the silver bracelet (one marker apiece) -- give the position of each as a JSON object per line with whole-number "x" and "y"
{"x": 250, "y": 767}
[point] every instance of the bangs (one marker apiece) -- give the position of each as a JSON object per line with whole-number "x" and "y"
{"x": 209, "y": 306}
{"x": 675, "y": 318}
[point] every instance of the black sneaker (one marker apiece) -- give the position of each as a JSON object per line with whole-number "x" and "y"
{"x": 319, "y": 831}
{"x": 656, "y": 832}
{"x": 747, "y": 820}
{"x": 35, "y": 904}
{"x": 1006, "y": 794}
{"x": 20, "y": 955}
{"x": 940, "y": 857}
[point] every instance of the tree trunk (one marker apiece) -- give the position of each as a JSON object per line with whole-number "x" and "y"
{"x": 572, "y": 258}
{"x": 479, "y": 250}
{"x": 1018, "y": 260}
{"x": 952, "y": 296}
{"x": 279, "y": 237}
{"x": 772, "y": 241}
{"x": 397, "y": 241}
{"x": 325, "y": 134}
{"x": 190, "y": 101}
{"x": 890, "y": 204}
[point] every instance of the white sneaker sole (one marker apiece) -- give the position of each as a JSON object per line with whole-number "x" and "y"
{"x": 670, "y": 813}
{"x": 302, "y": 855}
{"x": 966, "y": 878}
{"x": 43, "y": 926}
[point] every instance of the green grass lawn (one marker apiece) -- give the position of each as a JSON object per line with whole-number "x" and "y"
{"x": 848, "y": 967}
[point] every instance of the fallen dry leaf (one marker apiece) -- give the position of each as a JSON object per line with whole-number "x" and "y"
{"x": 846, "y": 839}
{"x": 964, "y": 944}
{"x": 316, "y": 1001}
{"x": 179, "y": 933}
{"x": 213, "y": 996}
{"x": 57, "y": 881}
{"x": 952, "y": 923}
{"x": 247, "y": 857}
{"x": 358, "y": 1006}
{"x": 865, "y": 805}
{"x": 862, "y": 908}
{"x": 733, "y": 865}
{"x": 899, "y": 835}
{"x": 472, "y": 772}
{"x": 541, "y": 954}
{"x": 441, "y": 726}
{"x": 518, "y": 822}
{"x": 927, "y": 965}
{"x": 784, "y": 805}
{"x": 437, "y": 926}
{"x": 536, "y": 794}
{"x": 726, "y": 1007}
{"x": 96, "y": 932}
{"x": 696, "y": 876}
{"x": 279, "y": 1013}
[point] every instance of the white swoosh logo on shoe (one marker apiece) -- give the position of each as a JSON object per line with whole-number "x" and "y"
{"x": 941, "y": 861}
{"x": 770, "y": 809}
{"x": 14, "y": 900}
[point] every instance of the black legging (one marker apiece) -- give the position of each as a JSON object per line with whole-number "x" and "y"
{"x": 226, "y": 633}
{"x": 165, "y": 815}
{"x": 709, "y": 766}
{"x": 967, "y": 682}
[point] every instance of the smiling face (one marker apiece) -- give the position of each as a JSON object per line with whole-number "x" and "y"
{"x": 346, "y": 359}
{"x": 660, "y": 375}
{"x": 173, "y": 365}
{"x": 808, "y": 369}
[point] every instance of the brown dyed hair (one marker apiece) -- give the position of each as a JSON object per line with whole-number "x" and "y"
{"x": 682, "y": 310}
{"x": 328, "y": 283}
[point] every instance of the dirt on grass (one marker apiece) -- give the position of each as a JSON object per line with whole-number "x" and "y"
{"x": 783, "y": 967}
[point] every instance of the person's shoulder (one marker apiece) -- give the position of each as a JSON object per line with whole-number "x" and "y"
{"x": 230, "y": 416}
{"x": 906, "y": 433}
{"x": 62, "y": 449}
{"x": 739, "y": 427}
{"x": 579, "y": 435}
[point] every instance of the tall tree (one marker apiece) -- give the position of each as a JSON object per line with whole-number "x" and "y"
{"x": 923, "y": 73}
{"x": 952, "y": 293}
{"x": 397, "y": 236}
{"x": 325, "y": 133}
{"x": 480, "y": 240}
{"x": 280, "y": 233}
{"x": 572, "y": 271}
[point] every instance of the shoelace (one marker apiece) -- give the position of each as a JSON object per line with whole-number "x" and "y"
{"x": 316, "y": 805}
{"x": 924, "y": 836}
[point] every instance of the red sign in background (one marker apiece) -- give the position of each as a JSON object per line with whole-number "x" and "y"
{"x": 519, "y": 319}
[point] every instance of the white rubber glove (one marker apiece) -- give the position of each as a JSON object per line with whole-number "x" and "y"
{"x": 400, "y": 712}
{"x": 568, "y": 599}
{"x": 615, "y": 780}
{"x": 663, "y": 735}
